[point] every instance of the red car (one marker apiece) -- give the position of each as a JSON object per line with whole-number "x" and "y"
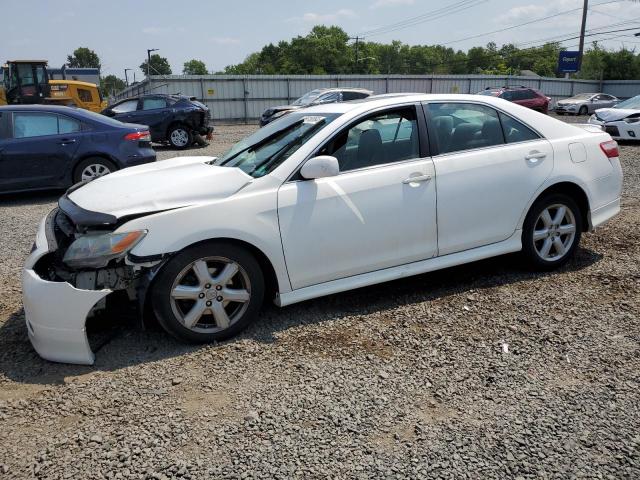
{"x": 525, "y": 96}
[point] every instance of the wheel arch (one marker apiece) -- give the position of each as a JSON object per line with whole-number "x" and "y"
{"x": 85, "y": 156}
{"x": 576, "y": 192}
{"x": 272, "y": 286}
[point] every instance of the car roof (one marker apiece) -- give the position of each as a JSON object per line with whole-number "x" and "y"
{"x": 65, "y": 110}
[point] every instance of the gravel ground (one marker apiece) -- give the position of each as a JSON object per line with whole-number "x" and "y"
{"x": 481, "y": 371}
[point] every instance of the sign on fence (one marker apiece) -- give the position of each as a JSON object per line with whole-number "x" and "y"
{"x": 569, "y": 62}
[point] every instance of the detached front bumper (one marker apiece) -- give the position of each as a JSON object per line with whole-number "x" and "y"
{"x": 56, "y": 312}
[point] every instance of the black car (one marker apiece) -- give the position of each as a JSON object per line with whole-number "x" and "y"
{"x": 175, "y": 119}
{"x": 46, "y": 146}
{"x": 315, "y": 97}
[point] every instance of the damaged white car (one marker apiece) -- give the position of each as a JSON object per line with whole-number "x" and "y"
{"x": 622, "y": 122}
{"x": 323, "y": 200}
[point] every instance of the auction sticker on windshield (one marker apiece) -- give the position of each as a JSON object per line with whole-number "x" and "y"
{"x": 313, "y": 119}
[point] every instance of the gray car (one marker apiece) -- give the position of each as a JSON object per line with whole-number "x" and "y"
{"x": 585, "y": 103}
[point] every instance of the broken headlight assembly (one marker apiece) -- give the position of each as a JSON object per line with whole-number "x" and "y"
{"x": 96, "y": 251}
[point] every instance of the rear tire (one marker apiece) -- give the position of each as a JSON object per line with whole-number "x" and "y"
{"x": 92, "y": 168}
{"x": 208, "y": 292}
{"x": 551, "y": 232}
{"x": 180, "y": 137}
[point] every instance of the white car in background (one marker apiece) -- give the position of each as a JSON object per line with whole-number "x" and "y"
{"x": 585, "y": 103}
{"x": 326, "y": 199}
{"x": 622, "y": 122}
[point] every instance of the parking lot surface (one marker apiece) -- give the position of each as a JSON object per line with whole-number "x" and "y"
{"x": 481, "y": 371}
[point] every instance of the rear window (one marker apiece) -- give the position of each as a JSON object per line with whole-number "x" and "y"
{"x": 85, "y": 95}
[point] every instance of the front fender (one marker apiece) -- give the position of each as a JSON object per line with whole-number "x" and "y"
{"x": 252, "y": 219}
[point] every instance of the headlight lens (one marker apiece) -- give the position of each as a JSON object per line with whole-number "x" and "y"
{"x": 95, "y": 251}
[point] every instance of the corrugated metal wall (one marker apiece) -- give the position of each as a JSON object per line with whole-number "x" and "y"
{"x": 244, "y": 98}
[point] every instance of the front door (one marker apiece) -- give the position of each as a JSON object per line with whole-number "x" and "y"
{"x": 488, "y": 167}
{"x": 379, "y": 212}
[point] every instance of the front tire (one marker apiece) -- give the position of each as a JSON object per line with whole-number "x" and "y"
{"x": 92, "y": 168}
{"x": 552, "y": 231}
{"x": 180, "y": 137}
{"x": 208, "y": 292}
{"x": 583, "y": 110}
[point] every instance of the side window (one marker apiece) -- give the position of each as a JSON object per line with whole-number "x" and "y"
{"x": 507, "y": 95}
{"x": 464, "y": 126}
{"x": 34, "y": 124}
{"x": 387, "y": 137}
{"x": 346, "y": 96}
{"x": 528, "y": 94}
{"x": 329, "y": 98}
{"x": 4, "y": 125}
{"x": 124, "y": 107}
{"x": 153, "y": 103}
{"x": 68, "y": 125}
{"x": 514, "y": 131}
{"x": 85, "y": 95}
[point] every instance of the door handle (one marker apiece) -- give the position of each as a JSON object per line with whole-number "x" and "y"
{"x": 417, "y": 179}
{"x": 67, "y": 141}
{"x": 534, "y": 156}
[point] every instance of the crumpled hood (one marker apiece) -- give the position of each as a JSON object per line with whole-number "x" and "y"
{"x": 614, "y": 114}
{"x": 161, "y": 185}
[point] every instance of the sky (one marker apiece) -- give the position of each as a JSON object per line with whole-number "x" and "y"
{"x": 221, "y": 33}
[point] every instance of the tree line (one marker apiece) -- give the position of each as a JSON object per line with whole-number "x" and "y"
{"x": 330, "y": 50}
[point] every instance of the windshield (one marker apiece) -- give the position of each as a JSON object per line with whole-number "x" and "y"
{"x": 262, "y": 152}
{"x": 308, "y": 97}
{"x": 633, "y": 102}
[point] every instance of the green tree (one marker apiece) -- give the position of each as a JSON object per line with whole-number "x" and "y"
{"x": 159, "y": 65}
{"x": 111, "y": 84}
{"x": 194, "y": 67}
{"x": 83, "y": 57}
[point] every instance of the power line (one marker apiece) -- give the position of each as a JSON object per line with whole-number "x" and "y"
{"x": 511, "y": 27}
{"x": 426, "y": 17}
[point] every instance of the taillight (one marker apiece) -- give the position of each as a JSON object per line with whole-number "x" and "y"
{"x": 610, "y": 149}
{"x": 138, "y": 136}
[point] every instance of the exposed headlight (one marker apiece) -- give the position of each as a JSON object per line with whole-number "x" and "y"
{"x": 95, "y": 251}
{"x": 632, "y": 120}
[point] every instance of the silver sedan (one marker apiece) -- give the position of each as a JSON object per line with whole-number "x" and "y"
{"x": 585, "y": 103}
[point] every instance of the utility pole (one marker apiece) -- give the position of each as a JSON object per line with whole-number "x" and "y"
{"x": 149, "y": 50}
{"x": 582, "y": 29}
{"x": 126, "y": 78}
{"x": 355, "y": 64}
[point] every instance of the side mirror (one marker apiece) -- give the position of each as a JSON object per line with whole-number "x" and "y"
{"x": 320, "y": 167}
{"x": 108, "y": 113}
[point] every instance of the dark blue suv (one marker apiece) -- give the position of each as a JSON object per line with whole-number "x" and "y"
{"x": 46, "y": 146}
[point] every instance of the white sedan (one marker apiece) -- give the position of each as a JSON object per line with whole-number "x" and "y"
{"x": 324, "y": 200}
{"x": 622, "y": 122}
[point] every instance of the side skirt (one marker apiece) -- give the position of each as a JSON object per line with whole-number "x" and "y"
{"x": 510, "y": 245}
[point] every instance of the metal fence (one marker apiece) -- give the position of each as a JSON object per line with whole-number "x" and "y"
{"x": 235, "y": 98}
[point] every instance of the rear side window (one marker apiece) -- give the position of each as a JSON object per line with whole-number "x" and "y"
{"x": 507, "y": 95}
{"x": 153, "y": 103}
{"x": 346, "y": 96}
{"x": 28, "y": 124}
{"x": 464, "y": 126}
{"x": 514, "y": 131}
{"x": 85, "y": 95}
{"x": 124, "y": 107}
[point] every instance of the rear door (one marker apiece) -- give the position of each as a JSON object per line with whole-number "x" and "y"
{"x": 39, "y": 151}
{"x": 153, "y": 112}
{"x": 488, "y": 166}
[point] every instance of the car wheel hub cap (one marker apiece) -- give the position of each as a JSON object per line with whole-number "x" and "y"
{"x": 179, "y": 137}
{"x": 94, "y": 171}
{"x": 554, "y": 232}
{"x": 210, "y": 294}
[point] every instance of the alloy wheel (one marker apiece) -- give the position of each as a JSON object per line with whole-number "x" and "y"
{"x": 210, "y": 294}
{"x": 93, "y": 171}
{"x": 179, "y": 137}
{"x": 554, "y": 232}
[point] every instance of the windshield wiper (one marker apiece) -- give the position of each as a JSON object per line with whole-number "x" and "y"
{"x": 264, "y": 141}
